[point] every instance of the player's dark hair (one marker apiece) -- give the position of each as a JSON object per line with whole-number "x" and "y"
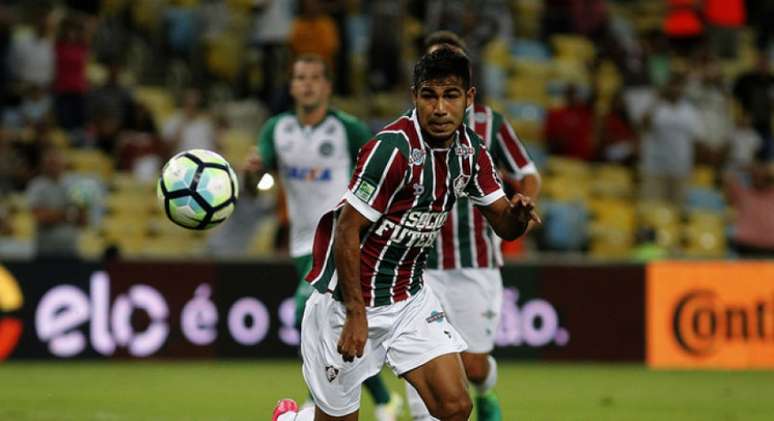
{"x": 442, "y": 64}
{"x": 314, "y": 58}
{"x": 444, "y": 38}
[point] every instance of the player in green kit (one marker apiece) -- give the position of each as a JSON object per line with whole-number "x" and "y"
{"x": 370, "y": 305}
{"x": 313, "y": 149}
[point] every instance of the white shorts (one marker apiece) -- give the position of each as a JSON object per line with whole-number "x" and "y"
{"x": 406, "y": 335}
{"x": 472, "y": 298}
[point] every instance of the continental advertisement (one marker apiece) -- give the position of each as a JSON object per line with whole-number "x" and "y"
{"x": 194, "y": 310}
{"x": 710, "y": 315}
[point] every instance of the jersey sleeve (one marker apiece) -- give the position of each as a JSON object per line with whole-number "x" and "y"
{"x": 378, "y": 176}
{"x": 357, "y": 135}
{"x": 509, "y": 153}
{"x": 266, "y": 144}
{"x": 485, "y": 187}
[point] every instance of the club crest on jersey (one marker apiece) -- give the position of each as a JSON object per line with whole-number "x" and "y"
{"x": 459, "y": 185}
{"x": 417, "y": 157}
{"x": 331, "y": 372}
{"x": 365, "y": 190}
{"x": 419, "y": 189}
{"x": 463, "y": 150}
{"x": 326, "y": 148}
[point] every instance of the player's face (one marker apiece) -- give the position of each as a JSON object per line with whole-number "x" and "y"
{"x": 308, "y": 86}
{"x": 441, "y": 106}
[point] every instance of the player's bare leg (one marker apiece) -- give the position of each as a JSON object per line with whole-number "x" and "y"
{"x": 441, "y": 384}
{"x": 481, "y": 370}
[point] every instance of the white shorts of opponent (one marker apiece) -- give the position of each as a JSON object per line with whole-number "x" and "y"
{"x": 405, "y": 335}
{"x": 472, "y": 299}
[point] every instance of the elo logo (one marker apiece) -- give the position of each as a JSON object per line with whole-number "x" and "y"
{"x": 11, "y": 301}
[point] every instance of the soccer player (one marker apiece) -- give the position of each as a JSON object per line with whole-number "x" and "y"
{"x": 313, "y": 149}
{"x": 370, "y": 304}
{"x": 464, "y": 267}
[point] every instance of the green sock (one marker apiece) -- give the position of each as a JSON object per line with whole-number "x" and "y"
{"x": 378, "y": 389}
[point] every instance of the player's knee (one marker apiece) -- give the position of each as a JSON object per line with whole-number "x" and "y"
{"x": 476, "y": 369}
{"x": 457, "y": 408}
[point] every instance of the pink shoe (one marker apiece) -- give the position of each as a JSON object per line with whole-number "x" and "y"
{"x": 284, "y": 406}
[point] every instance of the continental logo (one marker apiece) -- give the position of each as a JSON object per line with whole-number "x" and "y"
{"x": 11, "y": 302}
{"x": 702, "y": 322}
{"x": 710, "y": 315}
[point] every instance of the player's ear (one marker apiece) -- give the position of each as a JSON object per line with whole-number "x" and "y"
{"x": 470, "y": 95}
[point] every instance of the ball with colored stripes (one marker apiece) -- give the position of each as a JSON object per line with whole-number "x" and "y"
{"x": 197, "y": 189}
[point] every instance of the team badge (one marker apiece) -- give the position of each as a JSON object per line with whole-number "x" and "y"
{"x": 326, "y": 149}
{"x": 331, "y": 373}
{"x": 417, "y": 157}
{"x": 365, "y": 190}
{"x": 463, "y": 150}
{"x": 459, "y": 185}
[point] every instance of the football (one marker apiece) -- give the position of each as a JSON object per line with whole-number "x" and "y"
{"x": 197, "y": 189}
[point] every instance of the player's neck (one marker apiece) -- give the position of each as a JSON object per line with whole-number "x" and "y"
{"x": 311, "y": 117}
{"x": 437, "y": 143}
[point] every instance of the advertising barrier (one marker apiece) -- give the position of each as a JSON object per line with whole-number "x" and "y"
{"x": 73, "y": 309}
{"x": 710, "y": 315}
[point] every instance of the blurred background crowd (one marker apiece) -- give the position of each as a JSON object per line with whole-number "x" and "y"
{"x": 650, "y": 120}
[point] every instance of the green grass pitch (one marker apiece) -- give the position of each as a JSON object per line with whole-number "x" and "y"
{"x": 105, "y": 391}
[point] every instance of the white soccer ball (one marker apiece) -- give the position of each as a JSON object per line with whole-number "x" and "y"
{"x": 197, "y": 189}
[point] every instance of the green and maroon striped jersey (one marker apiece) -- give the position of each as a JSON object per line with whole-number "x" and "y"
{"x": 407, "y": 189}
{"x": 467, "y": 240}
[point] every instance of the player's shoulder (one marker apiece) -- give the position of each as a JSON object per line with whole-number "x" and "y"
{"x": 345, "y": 117}
{"x": 485, "y": 113}
{"x": 399, "y": 134}
{"x": 284, "y": 118}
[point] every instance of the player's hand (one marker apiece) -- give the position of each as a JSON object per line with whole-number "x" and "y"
{"x": 353, "y": 335}
{"x": 253, "y": 163}
{"x": 523, "y": 208}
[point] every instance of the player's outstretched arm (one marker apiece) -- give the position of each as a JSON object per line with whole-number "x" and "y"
{"x": 347, "y": 254}
{"x": 510, "y": 219}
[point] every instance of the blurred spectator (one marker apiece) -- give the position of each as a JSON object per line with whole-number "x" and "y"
{"x": 672, "y": 127}
{"x": 585, "y": 17}
{"x": 20, "y": 156}
{"x": 191, "y": 127}
{"x": 753, "y": 234}
{"x": 384, "y": 63}
{"x": 270, "y": 34}
{"x": 725, "y": 18}
{"x": 744, "y": 143}
{"x": 140, "y": 149}
{"x": 569, "y": 128}
{"x": 110, "y": 108}
{"x": 314, "y": 32}
{"x": 33, "y": 54}
{"x": 753, "y": 90}
{"x": 760, "y": 15}
{"x": 713, "y": 102}
{"x": 683, "y": 26}
{"x": 72, "y": 53}
{"x": 618, "y": 139}
{"x": 35, "y": 108}
{"x": 56, "y": 214}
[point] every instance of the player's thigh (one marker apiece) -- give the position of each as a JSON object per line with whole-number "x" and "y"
{"x": 472, "y": 299}
{"x": 334, "y": 383}
{"x": 439, "y": 382}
